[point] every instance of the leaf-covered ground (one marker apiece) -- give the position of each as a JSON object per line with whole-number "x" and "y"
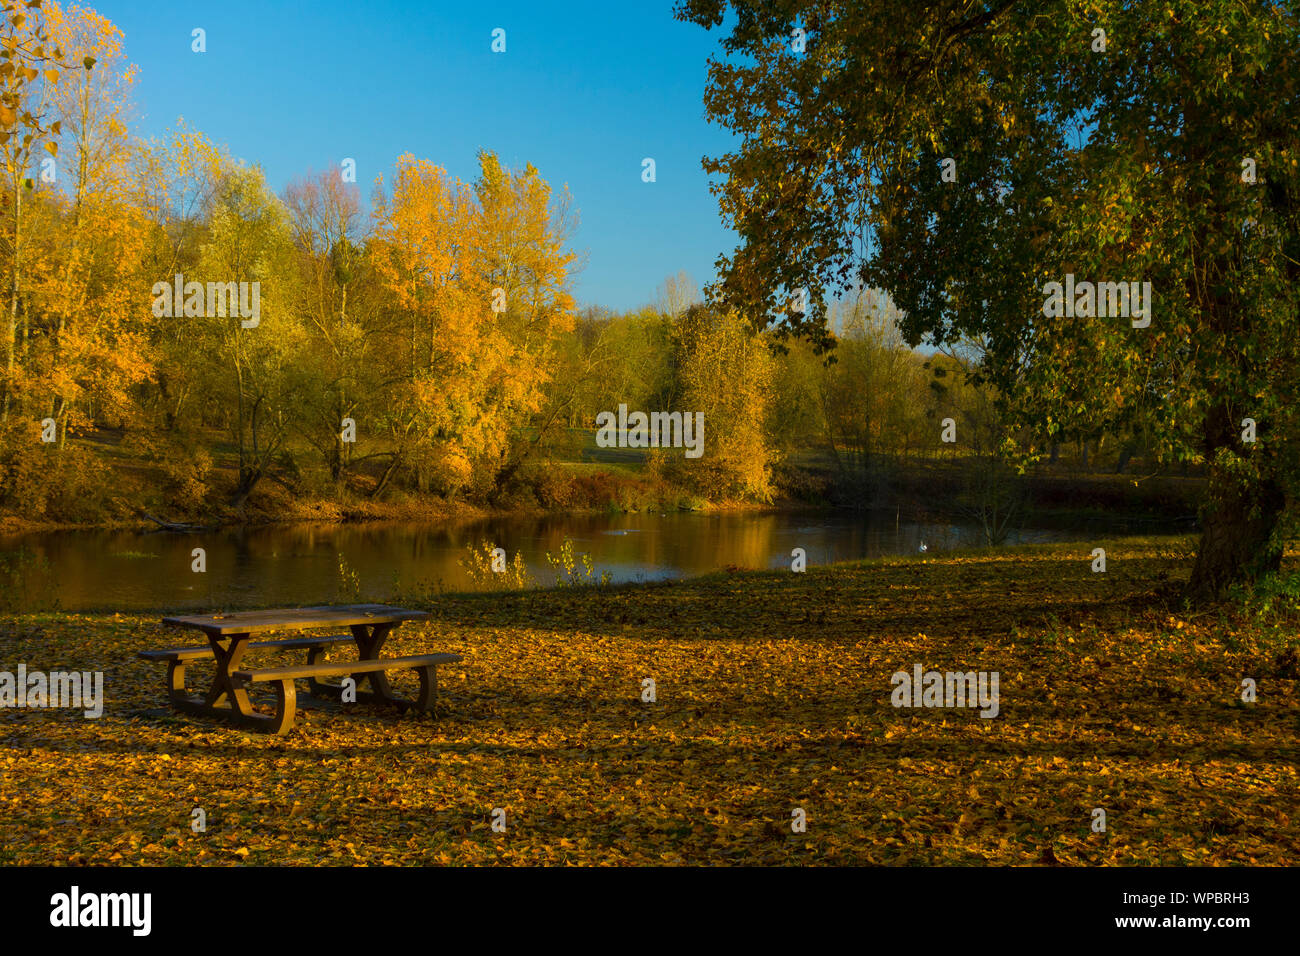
{"x": 773, "y": 693}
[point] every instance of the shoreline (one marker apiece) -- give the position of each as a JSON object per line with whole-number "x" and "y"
{"x": 921, "y": 490}
{"x": 12, "y": 526}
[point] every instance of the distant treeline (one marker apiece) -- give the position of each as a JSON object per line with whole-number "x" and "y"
{"x": 177, "y": 334}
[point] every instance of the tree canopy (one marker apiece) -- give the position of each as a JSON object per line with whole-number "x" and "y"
{"x": 964, "y": 155}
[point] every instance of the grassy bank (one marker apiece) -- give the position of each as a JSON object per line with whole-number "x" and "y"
{"x": 773, "y": 693}
{"x": 114, "y": 486}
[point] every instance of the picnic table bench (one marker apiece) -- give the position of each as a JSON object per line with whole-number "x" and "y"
{"x": 230, "y": 637}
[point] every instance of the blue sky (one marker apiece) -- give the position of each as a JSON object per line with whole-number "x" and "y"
{"x": 584, "y": 91}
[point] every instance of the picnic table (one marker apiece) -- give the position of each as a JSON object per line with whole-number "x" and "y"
{"x": 230, "y": 637}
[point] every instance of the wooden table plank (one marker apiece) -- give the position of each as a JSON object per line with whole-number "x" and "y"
{"x": 299, "y": 618}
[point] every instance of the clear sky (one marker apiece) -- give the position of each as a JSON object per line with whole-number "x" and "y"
{"x": 584, "y": 91}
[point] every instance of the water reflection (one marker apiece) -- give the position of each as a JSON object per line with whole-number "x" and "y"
{"x": 299, "y": 564}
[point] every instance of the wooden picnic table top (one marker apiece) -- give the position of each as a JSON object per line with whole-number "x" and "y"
{"x": 297, "y": 618}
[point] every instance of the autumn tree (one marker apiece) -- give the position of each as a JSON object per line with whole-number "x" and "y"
{"x": 86, "y": 276}
{"x": 524, "y": 269}
{"x": 338, "y": 304}
{"x": 963, "y": 155}
{"x": 725, "y": 372}
{"x": 869, "y": 394}
{"x": 245, "y": 341}
{"x": 647, "y": 371}
{"x": 477, "y": 275}
{"x": 31, "y": 67}
{"x": 585, "y": 362}
{"x": 420, "y": 247}
{"x": 676, "y": 294}
{"x": 76, "y": 350}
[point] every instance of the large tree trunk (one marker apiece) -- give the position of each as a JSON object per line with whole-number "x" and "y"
{"x": 1237, "y": 525}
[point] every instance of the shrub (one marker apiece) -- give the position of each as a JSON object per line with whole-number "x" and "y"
{"x": 571, "y": 571}
{"x": 478, "y": 565}
{"x": 42, "y": 481}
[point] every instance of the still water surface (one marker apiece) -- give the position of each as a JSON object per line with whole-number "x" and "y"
{"x": 299, "y": 564}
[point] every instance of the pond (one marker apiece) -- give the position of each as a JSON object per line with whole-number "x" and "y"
{"x": 325, "y": 563}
